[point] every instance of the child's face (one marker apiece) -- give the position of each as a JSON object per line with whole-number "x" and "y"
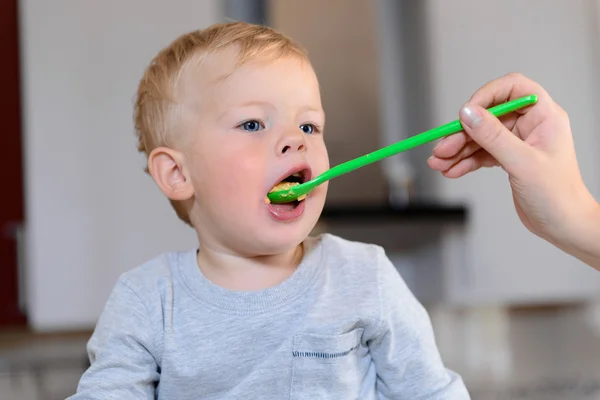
{"x": 256, "y": 127}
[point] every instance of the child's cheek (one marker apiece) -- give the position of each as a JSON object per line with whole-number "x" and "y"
{"x": 241, "y": 177}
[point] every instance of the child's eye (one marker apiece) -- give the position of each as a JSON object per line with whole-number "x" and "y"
{"x": 309, "y": 128}
{"x": 252, "y": 126}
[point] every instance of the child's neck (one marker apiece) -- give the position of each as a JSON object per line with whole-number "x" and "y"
{"x": 235, "y": 272}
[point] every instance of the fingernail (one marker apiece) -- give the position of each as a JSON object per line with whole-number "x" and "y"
{"x": 439, "y": 143}
{"x": 471, "y": 117}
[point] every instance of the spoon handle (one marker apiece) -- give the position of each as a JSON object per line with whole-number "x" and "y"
{"x": 420, "y": 139}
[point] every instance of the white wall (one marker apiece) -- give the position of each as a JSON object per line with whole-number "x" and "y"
{"x": 556, "y": 43}
{"x": 91, "y": 211}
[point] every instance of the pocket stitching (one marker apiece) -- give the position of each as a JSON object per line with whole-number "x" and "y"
{"x": 319, "y": 354}
{"x": 322, "y": 353}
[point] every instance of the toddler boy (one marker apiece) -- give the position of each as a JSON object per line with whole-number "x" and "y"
{"x": 259, "y": 310}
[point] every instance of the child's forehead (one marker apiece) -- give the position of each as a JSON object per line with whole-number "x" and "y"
{"x": 226, "y": 68}
{"x": 222, "y": 77}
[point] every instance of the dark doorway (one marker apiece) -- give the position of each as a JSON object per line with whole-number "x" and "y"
{"x": 11, "y": 170}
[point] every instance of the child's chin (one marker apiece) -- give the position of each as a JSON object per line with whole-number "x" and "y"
{"x": 278, "y": 243}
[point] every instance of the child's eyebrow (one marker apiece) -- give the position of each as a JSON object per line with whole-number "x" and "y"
{"x": 266, "y": 104}
{"x": 312, "y": 109}
{"x": 254, "y": 103}
{"x": 227, "y": 109}
{"x": 262, "y": 103}
{"x": 250, "y": 103}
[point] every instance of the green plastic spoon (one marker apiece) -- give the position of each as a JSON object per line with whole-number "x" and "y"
{"x": 285, "y": 196}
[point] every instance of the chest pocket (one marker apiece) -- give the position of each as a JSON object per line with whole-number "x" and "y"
{"x": 325, "y": 367}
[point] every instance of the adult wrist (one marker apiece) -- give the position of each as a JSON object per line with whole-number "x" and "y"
{"x": 582, "y": 238}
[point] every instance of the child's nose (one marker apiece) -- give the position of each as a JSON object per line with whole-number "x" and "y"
{"x": 291, "y": 143}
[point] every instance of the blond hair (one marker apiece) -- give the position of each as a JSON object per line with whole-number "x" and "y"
{"x": 158, "y": 106}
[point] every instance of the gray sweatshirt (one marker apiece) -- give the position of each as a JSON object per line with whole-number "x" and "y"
{"x": 344, "y": 326}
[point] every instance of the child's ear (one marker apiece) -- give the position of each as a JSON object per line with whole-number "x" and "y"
{"x": 167, "y": 169}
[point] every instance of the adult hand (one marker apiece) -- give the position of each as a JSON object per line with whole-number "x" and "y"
{"x": 535, "y": 147}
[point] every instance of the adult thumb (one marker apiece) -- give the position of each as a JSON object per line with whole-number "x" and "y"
{"x": 487, "y": 130}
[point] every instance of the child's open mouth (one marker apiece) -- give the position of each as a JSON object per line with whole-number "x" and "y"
{"x": 292, "y": 209}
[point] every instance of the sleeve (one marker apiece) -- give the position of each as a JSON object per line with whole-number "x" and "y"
{"x": 121, "y": 351}
{"x": 403, "y": 349}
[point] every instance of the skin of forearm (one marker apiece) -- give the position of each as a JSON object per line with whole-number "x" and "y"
{"x": 583, "y": 236}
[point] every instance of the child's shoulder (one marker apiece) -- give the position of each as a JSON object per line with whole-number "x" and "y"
{"x": 155, "y": 274}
